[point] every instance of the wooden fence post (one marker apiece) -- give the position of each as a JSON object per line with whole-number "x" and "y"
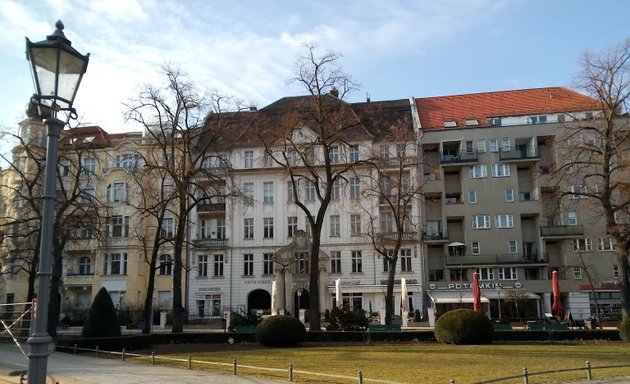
{"x": 234, "y": 367}
{"x": 589, "y": 374}
{"x": 360, "y": 377}
{"x": 152, "y": 358}
{"x": 122, "y": 355}
{"x": 290, "y": 372}
{"x": 189, "y": 362}
{"x": 525, "y": 376}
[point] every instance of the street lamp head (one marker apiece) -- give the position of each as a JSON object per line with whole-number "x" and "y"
{"x": 57, "y": 70}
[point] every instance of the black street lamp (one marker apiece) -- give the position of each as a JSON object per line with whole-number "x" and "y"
{"x": 57, "y": 70}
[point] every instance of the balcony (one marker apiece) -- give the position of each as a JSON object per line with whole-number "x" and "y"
{"x": 392, "y": 236}
{"x": 561, "y": 231}
{"x": 534, "y": 258}
{"x": 519, "y": 153}
{"x": 210, "y": 243}
{"x": 435, "y": 238}
{"x": 76, "y": 279}
{"x": 397, "y": 162}
{"x": 211, "y": 207}
{"x": 454, "y": 157}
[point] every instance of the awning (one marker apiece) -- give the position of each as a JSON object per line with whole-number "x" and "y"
{"x": 369, "y": 288}
{"x": 456, "y": 244}
{"x": 454, "y": 297}
{"x": 494, "y": 295}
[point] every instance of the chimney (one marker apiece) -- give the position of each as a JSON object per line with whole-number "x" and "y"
{"x": 367, "y": 97}
{"x": 253, "y": 108}
{"x": 334, "y": 92}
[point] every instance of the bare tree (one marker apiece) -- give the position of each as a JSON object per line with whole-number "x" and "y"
{"x": 393, "y": 183}
{"x": 304, "y": 135}
{"x": 185, "y": 145}
{"x": 599, "y": 153}
{"x": 76, "y": 210}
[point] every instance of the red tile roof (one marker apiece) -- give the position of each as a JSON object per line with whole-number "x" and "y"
{"x": 434, "y": 111}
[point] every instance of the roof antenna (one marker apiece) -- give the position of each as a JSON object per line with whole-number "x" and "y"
{"x": 367, "y": 97}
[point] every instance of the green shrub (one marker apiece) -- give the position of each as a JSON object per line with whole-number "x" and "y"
{"x": 624, "y": 330}
{"x": 463, "y": 326}
{"x": 101, "y": 319}
{"x": 346, "y": 319}
{"x": 280, "y": 331}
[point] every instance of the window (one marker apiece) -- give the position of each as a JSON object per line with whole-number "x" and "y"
{"x": 494, "y": 145}
{"x": 478, "y": 171}
{"x": 606, "y": 244}
{"x": 436, "y": 274}
{"x": 115, "y": 264}
{"x": 355, "y": 225}
{"x": 475, "y": 248}
{"x": 126, "y": 161}
{"x": 301, "y": 260}
{"x": 268, "y": 192}
{"x": 537, "y": 119}
{"x": 353, "y": 153}
{"x": 405, "y": 260}
{"x": 485, "y": 273}
{"x": 481, "y": 221}
{"x": 218, "y": 266}
{"x": 292, "y": 157}
{"x": 355, "y": 190}
{"x": 202, "y": 266}
{"x": 248, "y": 264}
{"x": 249, "y": 159}
{"x": 494, "y": 121}
{"x": 290, "y": 191}
{"x": 88, "y": 164}
{"x": 505, "y": 144}
{"x": 168, "y": 228}
{"x": 268, "y": 159}
{"x": 166, "y": 265}
{"x": 571, "y": 218}
{"x": 292, "y": 226}
{"x": 386, "y": 222}
{"x": 469, "y": 146}
{"x": 334, "y": 190}
{"x": 334, "y": 226}
{"x": 335, "y": 261}
{"x": 507, "y": 273}
{"x": 386, "y": 259}
{"x": 309, "y": 190}
{"x": 509, "y": 195}
{"x": 384, "y": 150}
{"x": 268, "y": 228}
{"x": 221, "y": 229}
{"x": 248, "y": 228}
{"x": 500, "y": 170}
{"x": 580, "y": 245}
{"x": 357, "y": 262}
{"x": 333, "y": 154}
{"x": 504, "y": 221}
{"x": 267, "y": 263}
{"x": 481, "y": 146}
{"x": 118, "y": 226}
{"x": 578, "y": 191}
{"x": 577, "y": 273}
{"x": 248, "y": 192}
{"x": 512, "y": 246}
{"x": 117, "y": 192}
{"x": 85, "y": 266}
{"x": 472, "y": 197}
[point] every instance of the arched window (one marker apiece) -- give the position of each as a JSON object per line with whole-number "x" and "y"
{"x": 85, "y": 266}
{"x": 166, "y": 265}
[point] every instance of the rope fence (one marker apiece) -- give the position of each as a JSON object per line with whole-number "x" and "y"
{"x": 189, "y": 361}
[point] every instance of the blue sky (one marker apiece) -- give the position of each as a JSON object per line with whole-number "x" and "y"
{"x": 247, "y": 49}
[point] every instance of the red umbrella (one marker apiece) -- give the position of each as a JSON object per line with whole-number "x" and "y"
{"x": 556, "y": 308}
{"x": 476, "y": 293}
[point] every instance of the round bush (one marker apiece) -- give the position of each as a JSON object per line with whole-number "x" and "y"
{"x": 102, "y": 320}
{"x": 280, "y": 331}
{"x": 463, "y": 326}
{"x": 624, "y": 330}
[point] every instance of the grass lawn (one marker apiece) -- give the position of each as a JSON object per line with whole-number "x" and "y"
{"x": 415, "y": 362}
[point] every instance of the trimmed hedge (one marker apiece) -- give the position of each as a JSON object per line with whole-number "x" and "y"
{"x": 464, "y": 326}
{"x": 624, "y": 330}
{"x": 280, "y": 331}
{"x": 102, "y": 320}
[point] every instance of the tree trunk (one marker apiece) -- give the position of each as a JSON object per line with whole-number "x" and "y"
{"x": 313, "y": 287}
{"x": 389, "y": 295}
{"x": 54, "y": 305}
{"x": 148, "y": 299}
{"x": 180, "y": 237}
{"x": 624, "y": 270}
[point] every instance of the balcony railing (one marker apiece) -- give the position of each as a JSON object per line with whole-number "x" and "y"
{"x": 397, "y": 162}
{"x": 392, "y": 236}
{"x": 210, "y": 243}
{"x": 560, "y": 231}
{"x": 459, "y": 157}
{"x": 519, "y": 153}
{"x": 78, "y": 279}
{"x": 497, "y": 259}
{"x": 211, "y": 207}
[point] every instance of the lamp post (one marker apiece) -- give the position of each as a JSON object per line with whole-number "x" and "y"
{"x": 498, "y": 287}
{"x": 57, "y": 70}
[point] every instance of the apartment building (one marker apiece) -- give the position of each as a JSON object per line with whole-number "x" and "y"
{"x": 494, "y": 204}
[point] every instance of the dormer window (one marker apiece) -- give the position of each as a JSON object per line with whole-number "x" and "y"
{"x": 450, "y": 124}
{"x": 88, "y": 139}
{"x": 540, "y": 119}
{"x": 494, "y": 121}
{"x": 470, "y": 122}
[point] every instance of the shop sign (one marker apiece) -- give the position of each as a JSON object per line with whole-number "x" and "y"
{"x": 397, "y": 281}
{"x": 482, "y": 285}
{"x": 258, "y": 281}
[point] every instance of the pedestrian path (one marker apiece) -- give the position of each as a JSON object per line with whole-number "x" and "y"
{"x": 77, "y": 369}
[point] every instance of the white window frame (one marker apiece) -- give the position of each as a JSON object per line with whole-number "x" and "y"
{"x": 335, "y": 226}
{"x": 606, "y": 244}
{"x": 267, "y": 264}
{"x": 472, "y": 197}
{"x": 509, "y": 195}
{"x": 309, "y": 191}
{"x": 500, "y": 170}
{"x": 512, "y": 246}
{"x": 357, "y": 262}
{"x": 481, "y": 146}
{"x": 333, "y": 154}
{"x": 577, "y": 272}
{"x": 355, "y": 225}
{"x": 292, "y": 226}
{"x": 334, "y": 190}
{"x": 510, "y": 275}
{"x": 248, "y": 192}
{"x": 478, "y": 171}
{"x": 267, "y": 227}
{"x": 584, "y": 244}
{"x": 248, "y": 159}
{"x": 505, "y": 144}
{"x": 217, "y": 266}
{"x": 202, "y": 265}
{"x": 572, "y": 218}
{"x": 268, "y": 192}
{"x": 486, "y": 273}
{"x": 405, "y": 260}
{"x": 481, "y": 221}
{"x": 504, "y": 221}
{"x": 248, "y": 228}
{"x": 335, "y": 262}
{"x": 355, "y": 188}
{"x": 475, "y": 248}
{"x": 248, "y": 264}
{"x": 353, "y": 153}
{"x": 494, "y": 145}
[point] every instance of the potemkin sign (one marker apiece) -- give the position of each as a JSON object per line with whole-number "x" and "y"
{"x": 482, "y": 285}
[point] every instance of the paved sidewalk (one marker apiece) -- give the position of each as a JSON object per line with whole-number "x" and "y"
{"x": 77, "y": 369}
